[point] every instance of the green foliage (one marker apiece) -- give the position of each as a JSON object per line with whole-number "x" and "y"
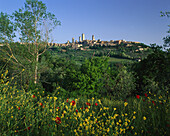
{"x": 54, "y": 72}
{"x": 153, "y": 70}
{"x": 6, "y": 28}
{"x": 122, "y": 84}
{"x": 89, "y": 79}
{"x": 166, "y": 39}
{"x": 34, "y": 25}
{"x": 123, "y": 51}
{"x": 17, "y": 58}
{"x": 31, "y": 20}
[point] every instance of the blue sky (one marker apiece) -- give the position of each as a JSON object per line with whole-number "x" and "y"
{"x": 131, "y": 20}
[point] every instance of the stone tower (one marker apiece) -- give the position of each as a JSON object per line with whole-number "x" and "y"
{"x": 79, "y": 38}
{"x": 93, "y": 38}
{"x": 83, "y": 37}
{"x": 72, "y": 40}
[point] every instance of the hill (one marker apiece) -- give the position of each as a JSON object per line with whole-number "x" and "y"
{"x": 118, "y": 53}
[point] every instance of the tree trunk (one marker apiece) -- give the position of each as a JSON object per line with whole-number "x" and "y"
{"x": 36, "y": 69}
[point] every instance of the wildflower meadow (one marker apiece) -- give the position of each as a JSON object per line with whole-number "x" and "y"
{"x": 28, "y": 113}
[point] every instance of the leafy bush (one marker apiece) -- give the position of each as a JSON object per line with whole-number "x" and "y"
{"x": 123, "y": 84}
{"x": 88, "y": 80}
{"x": 153, "y": 72}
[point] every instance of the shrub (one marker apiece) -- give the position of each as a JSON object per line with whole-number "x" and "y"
{"x": 124, "y": 84}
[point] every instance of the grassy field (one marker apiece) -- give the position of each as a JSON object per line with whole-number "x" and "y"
{"x": 28, "y": 113}
{"x": 112, "y": 59}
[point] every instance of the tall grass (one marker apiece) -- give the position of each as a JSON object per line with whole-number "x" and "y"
{"x": 26, "y": 113}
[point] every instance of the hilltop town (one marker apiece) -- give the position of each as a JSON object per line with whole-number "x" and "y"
{"x": 84, "y": 42}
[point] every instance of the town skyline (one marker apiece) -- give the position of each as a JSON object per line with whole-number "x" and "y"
{"x": 84, "y": 44}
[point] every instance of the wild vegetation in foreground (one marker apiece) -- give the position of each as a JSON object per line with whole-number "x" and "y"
{"x": 34, "y": 113}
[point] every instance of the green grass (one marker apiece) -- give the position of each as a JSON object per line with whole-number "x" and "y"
{"x": 112, "y": 59}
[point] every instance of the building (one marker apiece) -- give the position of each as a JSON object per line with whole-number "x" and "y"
{"x": 93, "y": 38}
{"x": 83, "y": 37}
{"x": 82, "y": 42}
{"x": 79, "y": 38}
{"x": 68, "y": 41}
{"x": 72, "y": 40}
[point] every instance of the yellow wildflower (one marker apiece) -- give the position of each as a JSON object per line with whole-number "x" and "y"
{"x": 125, "y": 104}
{"x": 144, "y": 118}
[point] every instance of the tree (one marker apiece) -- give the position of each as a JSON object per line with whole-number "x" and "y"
{"x": 166, "y": 39}
{"x": 7, "y": 34}
{"x": 34, "y": 24}
{"x": 153, "y": 70}
{"x": 6, "y": 28}
{"x": 123, "y": 84}
{"x": 89, "y": 79}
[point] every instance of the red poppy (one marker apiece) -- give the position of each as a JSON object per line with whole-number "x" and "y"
{"x": 67, "y": 99}
{"x": 18, "y": 108}
{"x": 88, "y": 104}
{"x": 28, "y": 128}
{"x": 153, "y": 102}
{"x": 58, "y": 120}
{"x": 57, "y": 107}
{"x": 86, "y": 108}
{"x": 143, "y": 99}
{"x": 146, "y": 95}
{"x": 41, "y": 104}
{"x": 76, "y": 110}
{"x": 33, "y": 96}
{"x": 137, "y": 96}
{"x": 81, "y": 107}
{"x": 73, "y": 103}
{"x": 96, "y": 104}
